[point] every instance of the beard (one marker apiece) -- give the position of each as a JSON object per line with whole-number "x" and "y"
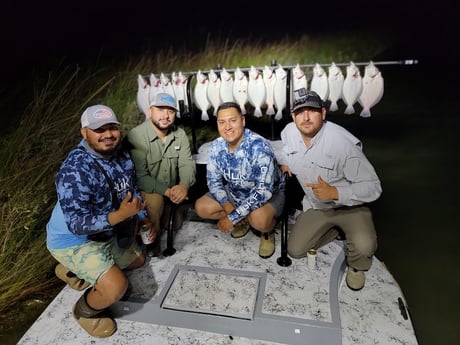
{"x": 109, "y": 152}
{"x": 166, "y": 129}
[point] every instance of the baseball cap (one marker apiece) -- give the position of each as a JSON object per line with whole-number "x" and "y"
{"x": 164, "y": 100}
{"x": 97, "y": 116}
{"x": 308, "y": 99}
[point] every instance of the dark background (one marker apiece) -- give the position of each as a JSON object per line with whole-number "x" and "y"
{"x": 417, "y": 122}
{"x": 37, "y": 36}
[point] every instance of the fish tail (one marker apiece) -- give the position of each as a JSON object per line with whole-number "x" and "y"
{"x": 204, "y": 116}
{"x": 365, "y": 113}
{"x": 270, "y": 110}
{"x": 279, "y": 115}
{"x": 333, "y": 106}
{"x": 349, "y": 110}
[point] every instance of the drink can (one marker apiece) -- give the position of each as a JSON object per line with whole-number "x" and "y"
{"x": 145, "y": 233}
{"x": 311, "y": 258}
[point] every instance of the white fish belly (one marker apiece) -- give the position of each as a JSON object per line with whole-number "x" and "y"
{"x": 256, "y": 95}
{"x": 320, "y": 85}
{"x": 352, "y": 88}
{"x": 372, "y": 93}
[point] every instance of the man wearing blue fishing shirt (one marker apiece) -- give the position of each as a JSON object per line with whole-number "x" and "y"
{"x": 246, "y": 187}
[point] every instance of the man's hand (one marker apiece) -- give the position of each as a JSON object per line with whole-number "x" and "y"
{"x": 129, "y": 206}
{"x": 323, "y": 191}
{"x": 224, "y": 224}
{"x": 285, "y": 168}
{"x": 228, "y": 207}
{"x": 177, "y": 193}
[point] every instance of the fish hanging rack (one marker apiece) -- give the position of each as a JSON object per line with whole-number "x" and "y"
{"x": 274, "y": 64}
{"x": 188, "y": 111}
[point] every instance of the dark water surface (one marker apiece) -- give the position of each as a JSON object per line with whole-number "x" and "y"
{"x": 412, "y": 141}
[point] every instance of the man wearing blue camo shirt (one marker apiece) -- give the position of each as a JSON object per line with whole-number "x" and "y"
{"x": 80, "y": 231}
{"x": 246, "y": 186}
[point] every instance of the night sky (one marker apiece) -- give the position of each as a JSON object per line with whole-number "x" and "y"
{"x": 40, "y": 34}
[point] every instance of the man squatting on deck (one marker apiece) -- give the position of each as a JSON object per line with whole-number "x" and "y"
{"x": 246, "y": 187}
{"x": 338, "y": 182}
{"x": 83, "y": 233}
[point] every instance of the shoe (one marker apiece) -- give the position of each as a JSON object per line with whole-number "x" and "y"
{"x": 70, "y": 278}
{"x": 355, "y": 279}
{"x": 98, "y": 327}
{"x": 267, "y": 245}
{"x": 240, "y": 231}
{"x": 87, "y": 318}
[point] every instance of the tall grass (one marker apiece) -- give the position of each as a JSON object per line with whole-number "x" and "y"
{"x": 32, "y": 153}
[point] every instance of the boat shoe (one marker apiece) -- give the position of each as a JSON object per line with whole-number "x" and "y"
{"x": 355, "y": 279}
{"x": 267, "y": 245}
{"x": 70, "y": 278}
{"x": 94, "y": 322}
{"x": 240, "y": 231}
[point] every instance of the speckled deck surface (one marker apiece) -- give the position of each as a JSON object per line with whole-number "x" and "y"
{"x": 214, "y": 280}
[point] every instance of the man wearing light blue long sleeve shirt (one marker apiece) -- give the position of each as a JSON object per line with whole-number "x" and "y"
{"x": 338, "y": 182}
{"x": 245, "y": 184}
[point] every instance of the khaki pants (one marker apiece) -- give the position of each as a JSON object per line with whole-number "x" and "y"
{"x": 159, "y": 211}
{"x": 312, "y": 227}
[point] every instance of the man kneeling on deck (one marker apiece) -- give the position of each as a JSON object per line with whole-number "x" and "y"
{"x": 246, "y": 187}
{"x": 94, "y": 222}
{"x": 338, "y": 182}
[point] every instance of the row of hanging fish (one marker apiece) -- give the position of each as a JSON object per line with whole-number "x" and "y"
{"x": 176, "y": 86}
{"x": 266, "y": 88}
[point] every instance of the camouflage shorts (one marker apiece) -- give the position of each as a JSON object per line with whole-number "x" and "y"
{"x": 91, "y": 260}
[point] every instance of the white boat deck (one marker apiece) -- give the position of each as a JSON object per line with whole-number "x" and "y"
{"x": 217, "y": 290}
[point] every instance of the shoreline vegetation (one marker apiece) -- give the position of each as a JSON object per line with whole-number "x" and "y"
{"x": 32, "y": 152}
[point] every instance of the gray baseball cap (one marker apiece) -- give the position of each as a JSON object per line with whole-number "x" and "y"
{"x": 309, "y": 99}
{"x": 97, "y": 116}
{"x": 164, "y": 100}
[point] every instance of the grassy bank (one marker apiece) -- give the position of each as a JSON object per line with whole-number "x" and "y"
{"x": 32, "y": 152}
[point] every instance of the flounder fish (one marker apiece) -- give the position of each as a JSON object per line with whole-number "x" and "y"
{"x": 372, "y": 89}
{"x": 200, "y": 92}
{"x": 269, "y": 78}
{"x": 240, "y": 89}
{"x": 142, "y": 97}
{"x": 279, "y": 94}
{"x": 352, "y": 87}
{"x": 256, "y": 90}
{"x": 213, "y": 91}
{"x": 335, "y": 80}
{"x": 319, "y": 82}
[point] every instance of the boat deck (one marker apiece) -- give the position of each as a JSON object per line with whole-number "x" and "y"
{"x": 217, "y": 290}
